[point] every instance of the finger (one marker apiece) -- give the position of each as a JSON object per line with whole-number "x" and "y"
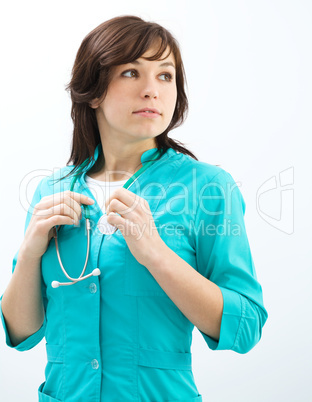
{"x": 116, "y": 220}
{"x": 70, "y": 198}
{"x": 58, "y": 204}
{"x": 125, "y": 196}
{"x": 60, "y": 210}
{"x": 57, "y": 198}
{"x": 64, "y": 209}
{"x": 126, "y": 226}
{"x": 44, "y": 226}
{"x": 120, "y": 208}
{"x": 80, "y": 198}
{"x": 74, "y": 201}
{"x": 57, "y": 220}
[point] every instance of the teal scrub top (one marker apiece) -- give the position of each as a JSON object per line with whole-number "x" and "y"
{"x": 118, "y": 336}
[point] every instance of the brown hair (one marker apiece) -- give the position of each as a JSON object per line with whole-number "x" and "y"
{"x": 117, "y": 41}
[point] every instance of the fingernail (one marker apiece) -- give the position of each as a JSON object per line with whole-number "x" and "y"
{"x": 90, "y": 200}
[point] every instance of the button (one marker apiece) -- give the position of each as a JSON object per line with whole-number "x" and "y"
{"x": 95, "y": 364}
{"x": 93, "y": 288}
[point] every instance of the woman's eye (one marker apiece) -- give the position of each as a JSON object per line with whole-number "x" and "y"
{"x": 168, "y": 77}
{"x": 133, "y": 73}
{"x": 129, "y": 72}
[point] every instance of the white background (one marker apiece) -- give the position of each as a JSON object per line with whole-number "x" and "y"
{"x": 248, "y": 65}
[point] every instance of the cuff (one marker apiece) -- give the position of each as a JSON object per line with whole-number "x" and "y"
{"x": 230, "y": 322}
{"x": 29, "y": 342}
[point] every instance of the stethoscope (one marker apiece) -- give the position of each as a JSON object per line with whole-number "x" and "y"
{"x": 103, "y": 226}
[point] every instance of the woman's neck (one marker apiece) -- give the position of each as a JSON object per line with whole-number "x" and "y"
{"x": 113, "y": 165}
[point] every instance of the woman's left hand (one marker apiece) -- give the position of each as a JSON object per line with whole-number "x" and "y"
{"x": 136, "y": 224}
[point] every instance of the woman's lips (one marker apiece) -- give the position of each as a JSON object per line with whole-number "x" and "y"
{"x": 151, "y": 115}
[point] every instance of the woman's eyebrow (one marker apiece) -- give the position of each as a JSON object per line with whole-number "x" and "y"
{"x": 166, "y": 64}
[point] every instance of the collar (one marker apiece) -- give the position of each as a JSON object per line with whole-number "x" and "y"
{"x": 147, "y": 155}
{"x": 81, "y": 182}
{"x": 167, "y": 154}
{"x": 144, "y": 157}
{"x": 94, "y": 158}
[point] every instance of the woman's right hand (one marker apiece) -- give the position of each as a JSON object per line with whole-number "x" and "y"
{"x": 57, "y": 209}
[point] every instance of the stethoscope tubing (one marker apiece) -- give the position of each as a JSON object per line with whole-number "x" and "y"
{"x": 96, "y": 271}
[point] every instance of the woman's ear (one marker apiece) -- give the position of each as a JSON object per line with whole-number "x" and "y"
{"x": 95, "y": 103}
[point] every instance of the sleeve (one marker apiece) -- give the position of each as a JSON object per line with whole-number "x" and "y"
{"x": 35, "y": 338}
{"x": 224, "y": 257}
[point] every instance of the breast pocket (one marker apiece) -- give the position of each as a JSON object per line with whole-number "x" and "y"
{"x": 138, "y": 280}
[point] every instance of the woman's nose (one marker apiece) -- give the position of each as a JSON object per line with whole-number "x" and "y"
{"x": 151, "y": 95}
{"x": 149, "y": 89}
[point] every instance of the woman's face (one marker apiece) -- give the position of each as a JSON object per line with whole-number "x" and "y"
{"x": 134, "y": 86}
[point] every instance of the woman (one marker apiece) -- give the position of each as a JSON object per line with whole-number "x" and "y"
{"x": 180, "y": 257}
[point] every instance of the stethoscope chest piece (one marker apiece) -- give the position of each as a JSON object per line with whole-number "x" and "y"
{"x": 105, "y": 227}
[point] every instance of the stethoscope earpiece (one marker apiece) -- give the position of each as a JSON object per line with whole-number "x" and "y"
{"x": 95, "y": 272}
